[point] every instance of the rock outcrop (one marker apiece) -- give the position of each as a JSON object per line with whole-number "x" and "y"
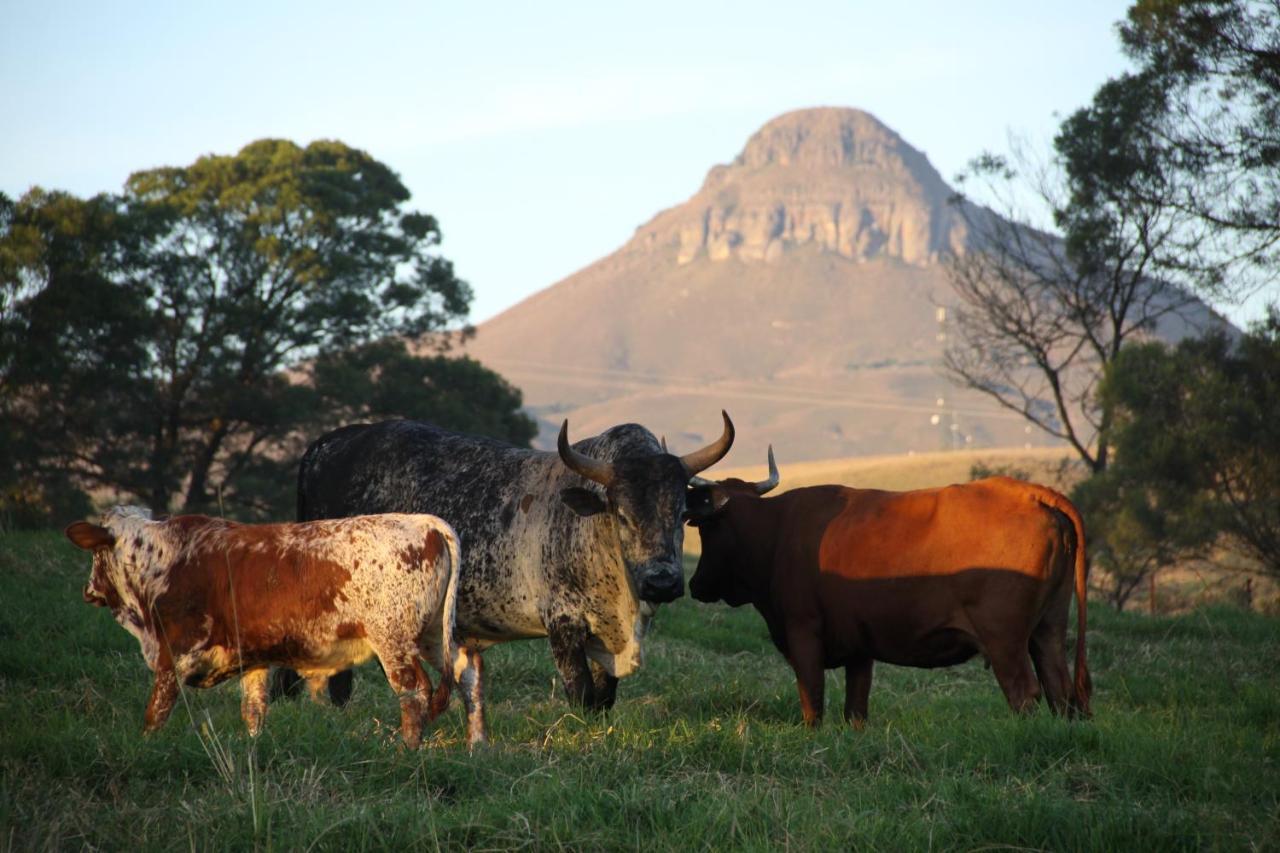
{"x": 834, "y": 178}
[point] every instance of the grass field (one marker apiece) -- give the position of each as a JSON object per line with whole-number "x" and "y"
{"x": 1053, "y": 466}
{"x": 702, "y": 752}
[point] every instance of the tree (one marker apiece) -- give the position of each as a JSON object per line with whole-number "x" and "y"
{"x": 1218, "y": 62}
{"x": 1196, "y": 436}
{"x": 72, "y": 324}
{"x": 1133, "y": 532}
{"x": 1042, "y": 312}
{"x": 383, "y": 380}
{"x": 1165, "y": 185}
{"x": 153, "y": 341}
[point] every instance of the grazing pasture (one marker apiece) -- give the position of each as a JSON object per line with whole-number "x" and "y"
{"x": 704, "y": 749}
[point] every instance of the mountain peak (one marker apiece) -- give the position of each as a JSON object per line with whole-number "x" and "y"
{"x": 820, "y": 137}
{"x": 833, "y": 177}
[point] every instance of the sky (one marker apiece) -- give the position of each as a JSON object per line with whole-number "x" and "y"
{"x": 540, "y": 135}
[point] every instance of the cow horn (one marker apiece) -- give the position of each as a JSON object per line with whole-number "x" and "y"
{"x": 700, "y": 460}
{"x": 765, "y": 486}
{"x": 664, "y": 444}
{"x": 580, "y": 463}
{"x": 695, "y": 480}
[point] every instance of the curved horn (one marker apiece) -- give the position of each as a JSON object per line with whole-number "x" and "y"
{"x": 765, "y": 486}
{"x": 580, "y": 463}
{"x": 700, "y": 460}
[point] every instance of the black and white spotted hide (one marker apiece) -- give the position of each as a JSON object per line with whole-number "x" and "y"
{"x": 546, "y": 550}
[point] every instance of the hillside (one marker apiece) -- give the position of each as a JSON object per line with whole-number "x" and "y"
{"x": 798, "y": 288}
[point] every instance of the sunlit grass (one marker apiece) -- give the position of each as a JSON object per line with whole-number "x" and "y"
{"x": 703, "y": 750}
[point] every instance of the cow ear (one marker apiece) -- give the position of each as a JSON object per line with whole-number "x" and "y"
{"x": 702, "y": 502}
{"x": 582, "y": 501}
{"x": 88, "y": 536}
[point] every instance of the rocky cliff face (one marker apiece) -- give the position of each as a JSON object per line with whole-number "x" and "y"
{"x": 836, "y": 179}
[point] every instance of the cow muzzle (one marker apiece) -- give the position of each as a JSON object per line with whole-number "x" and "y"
{"x": 700, "y": 592}
{"x": 659, "y": 582}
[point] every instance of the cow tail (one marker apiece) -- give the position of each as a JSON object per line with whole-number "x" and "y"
{"x": 448, "y": 622}
{"x": 1083, "y": 683}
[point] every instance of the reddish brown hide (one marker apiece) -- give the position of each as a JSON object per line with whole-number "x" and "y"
{"x": 929, "y": 578}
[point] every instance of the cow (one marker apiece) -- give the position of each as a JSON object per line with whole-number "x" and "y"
{"x": 209, "y": 600}
{"x": 577, "y": 546}
{"x": 928, "y": 578}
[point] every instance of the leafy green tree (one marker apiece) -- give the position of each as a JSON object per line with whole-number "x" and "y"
{"x": 383, "y": 380}
{"x": 1218, "y": 64}
{"x": 1135, "y": 530}
{"x": 1166, "y": 184}
{"x": 1196, "y": 439}
{"x": 72, "y": 326}
{"x": 154, "y": 342}
{"x": 1043, "y": 307}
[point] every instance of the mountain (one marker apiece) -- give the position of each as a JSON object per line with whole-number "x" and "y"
{"x": 799, "y": 289}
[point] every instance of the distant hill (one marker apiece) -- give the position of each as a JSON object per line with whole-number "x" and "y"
{"x": 798, "y": 289}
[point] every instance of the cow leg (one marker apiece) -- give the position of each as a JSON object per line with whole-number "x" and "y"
{"x": 164, "y": 692}
{"x": 254, "y": 689}
{"x": 857, "y": 689}
{"x": 468, "y": 674}
{"x": 604, "y": 685}
{"x": 285, "y": 683}
{"x": 1012, "y": 666}
{"x": 1049, "y": 654}
{"x": 411, "y": 685}
{"x": 340, "y": 686}
{"x": 805, "y": 653}
{"x": 316, "y": 686}
{"x": 569, "y": 648}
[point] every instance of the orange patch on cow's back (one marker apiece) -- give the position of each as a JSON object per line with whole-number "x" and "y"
{"x": 935, "y": 532}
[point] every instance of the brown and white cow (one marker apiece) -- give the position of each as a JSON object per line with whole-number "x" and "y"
{"x": 210, "y": 600}
{"x": 929, "y": 578}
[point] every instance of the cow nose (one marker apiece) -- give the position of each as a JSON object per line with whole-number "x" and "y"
{"x": 661, "y": 587}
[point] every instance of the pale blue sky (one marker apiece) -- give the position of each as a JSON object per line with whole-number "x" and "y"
{"x": 539, "y": 134}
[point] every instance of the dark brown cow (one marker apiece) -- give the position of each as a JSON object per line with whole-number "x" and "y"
{"x": 210, "y": 599}
{"x": 846, "y": 577}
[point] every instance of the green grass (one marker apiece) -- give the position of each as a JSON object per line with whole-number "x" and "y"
{"x": 703, "y": 750}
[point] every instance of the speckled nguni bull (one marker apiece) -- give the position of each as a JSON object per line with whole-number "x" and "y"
{"x": 210, "y": 600}
{"x": 577, "y": 546}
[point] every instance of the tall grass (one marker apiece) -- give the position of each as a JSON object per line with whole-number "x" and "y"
{"x": 703, "y": 751}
